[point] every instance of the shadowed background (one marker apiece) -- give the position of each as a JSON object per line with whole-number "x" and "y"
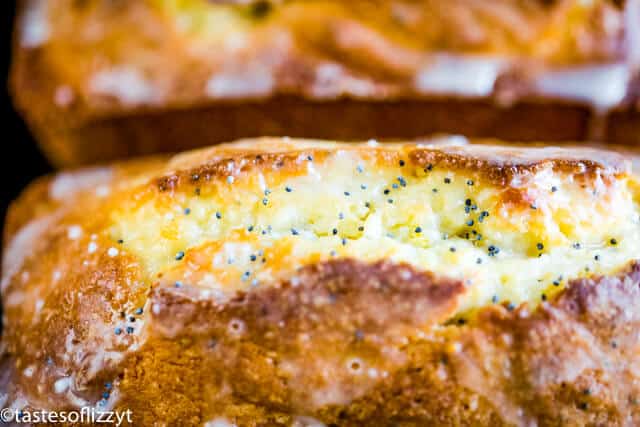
{"x": 21, "y": 161}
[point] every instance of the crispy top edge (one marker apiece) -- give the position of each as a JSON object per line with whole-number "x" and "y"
{"x": 500, "y": 164}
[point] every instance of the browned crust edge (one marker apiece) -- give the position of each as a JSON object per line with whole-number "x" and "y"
{"x": 569, "y": 362}
{"x": 499, "y": 165}
{"x": 258, "y": 358}
{"x": 178, "y": 130}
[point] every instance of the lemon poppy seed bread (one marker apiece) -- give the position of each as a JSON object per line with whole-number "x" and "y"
{"x": 289, "y": 282}
{"x": 103, "y": 79}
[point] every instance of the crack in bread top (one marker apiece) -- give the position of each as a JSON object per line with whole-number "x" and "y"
{"x": 515, "y": 224}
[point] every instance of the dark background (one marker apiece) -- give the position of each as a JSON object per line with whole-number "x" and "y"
{"x": 21, "y": 161}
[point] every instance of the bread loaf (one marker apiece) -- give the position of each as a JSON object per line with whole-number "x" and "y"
{"x": 101, "y": 79}
{"x": 288, "y": 282}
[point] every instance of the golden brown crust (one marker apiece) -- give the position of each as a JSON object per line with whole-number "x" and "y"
{"x": 97, "y": 317}
{"x": 327, "y": 320}
{"x": 355, "y": 63}
{"x": 509, "y": 368}
{"x": 570, "y": 362}
{"x": 498, "y": 165}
